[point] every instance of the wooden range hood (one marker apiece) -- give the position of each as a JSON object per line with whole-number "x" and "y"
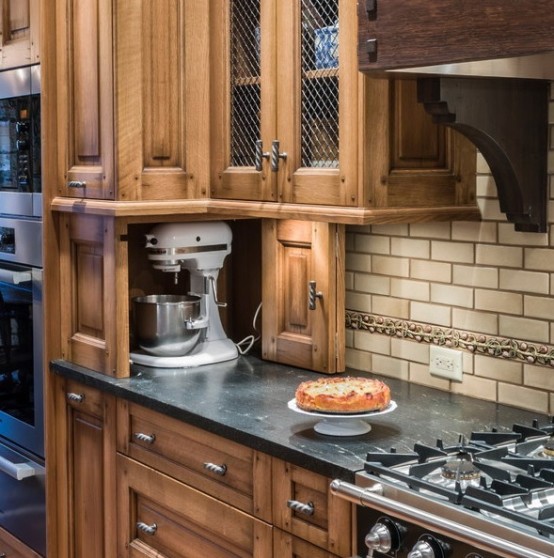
{"x": 484, "y": 69}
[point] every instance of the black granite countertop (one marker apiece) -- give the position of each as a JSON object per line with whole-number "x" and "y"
{"x": 246, "y": 401}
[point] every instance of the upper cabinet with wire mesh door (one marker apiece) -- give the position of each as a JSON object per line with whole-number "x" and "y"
{"x": 294, "y": 122}
{"x": 278, "y": 120}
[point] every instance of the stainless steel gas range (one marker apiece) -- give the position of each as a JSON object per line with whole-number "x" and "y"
{"x": 488, "y": 496}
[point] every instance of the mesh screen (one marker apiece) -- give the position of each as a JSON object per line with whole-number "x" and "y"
{"x": 245, "y": 81}
{"x": 320, "y": 84}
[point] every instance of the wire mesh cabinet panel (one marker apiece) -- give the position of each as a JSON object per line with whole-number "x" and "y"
{"x": 282, "y": 101}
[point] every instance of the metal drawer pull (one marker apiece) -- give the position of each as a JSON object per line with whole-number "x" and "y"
{"x": 146, "y": 438}
{"x": 217, "y": 469}
{"x": 75, "y": 397}
{"x": 148, "y": 529}
{"x": 260, "y": 155}
{"x": 300, "y": 507}
{"x": 275, "y": 155}
{"x": 76, "y": 184}
{"x": 313, "y": 294}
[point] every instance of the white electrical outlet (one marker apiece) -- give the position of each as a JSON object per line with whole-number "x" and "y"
{"x": 445, "y": 363}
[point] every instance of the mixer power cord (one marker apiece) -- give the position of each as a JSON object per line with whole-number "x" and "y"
{"x": 249, "y": 340}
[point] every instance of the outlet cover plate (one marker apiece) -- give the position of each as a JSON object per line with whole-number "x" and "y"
{"x": 445, "y": 363}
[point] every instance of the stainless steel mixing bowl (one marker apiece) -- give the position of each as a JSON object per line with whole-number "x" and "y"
{"x": 160, "y": 324}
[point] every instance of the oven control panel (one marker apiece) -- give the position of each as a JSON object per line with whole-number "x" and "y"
{"x": 7, "y": 240}
{"x": 383, "y": 536}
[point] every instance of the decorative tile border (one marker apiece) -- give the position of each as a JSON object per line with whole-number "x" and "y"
{"x": 432, "y": 334}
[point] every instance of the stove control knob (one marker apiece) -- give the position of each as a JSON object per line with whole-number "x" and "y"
{"x": 429, "y": 547}
{"x": 384, "y": 536}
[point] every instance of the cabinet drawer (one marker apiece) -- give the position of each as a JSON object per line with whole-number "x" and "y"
{"x": 158, "y": 514}
{"x": 304, "y": 506}
{"x": 84, "y": 398}
{"x": 222, "y": 468}
{"x": 289, "y": 546}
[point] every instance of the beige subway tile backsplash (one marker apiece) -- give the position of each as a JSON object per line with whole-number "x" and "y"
{"x": 399, "y": 267}
{"x": 431, "y": 230}
{"x": 410, "y": 248}
{"x": 470, "y": 320}
{"x": 502, "y": 256}
{"x": 518, "y": 396}
{"x": 431, "y": 271}
{"x": 538, "y": 307}
{"x": 474, "y": 276}
{"x": 474, "y": 232}
{"x": 431, "y": 313}
{"x": 498, "y": 301}
{"x": 539, "y": 258}
{"x": 389, "y": 306}
{"x": 503, "y": 370}
{"x": 531, "y": 330}
{"x": 481, "y": 287}
{"x": 452, "y": 295}
{"x": 406, "y": 288}
{"x": 456, "y": 252}
{"x": 372, "y": 284}
{"x": 526, "y": 281}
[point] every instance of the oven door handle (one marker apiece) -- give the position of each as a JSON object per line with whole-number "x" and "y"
{"x": 15, "y": 277}
{"x": 20, "y": 471}
{"x": 372, "y": 497}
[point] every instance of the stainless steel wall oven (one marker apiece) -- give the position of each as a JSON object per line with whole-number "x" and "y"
{"x": 20, "y": 165}
{"x": 22, "y": 500}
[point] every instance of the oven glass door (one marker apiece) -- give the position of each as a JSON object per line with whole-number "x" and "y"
{"x": 21, "y": 408}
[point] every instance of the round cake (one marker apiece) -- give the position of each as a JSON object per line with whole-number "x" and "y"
{"x": 343, "y": 395}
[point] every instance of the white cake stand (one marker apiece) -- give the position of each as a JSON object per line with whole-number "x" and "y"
{"x": 342, "y": 424}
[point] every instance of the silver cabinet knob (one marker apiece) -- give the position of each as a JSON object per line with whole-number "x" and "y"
{"x": 148, "y": 529}
{"x": 217, "y": 469}
{"x": 301, "y": 507}
{"x": 146, "y": 438}
{"x": 75, "y": 397}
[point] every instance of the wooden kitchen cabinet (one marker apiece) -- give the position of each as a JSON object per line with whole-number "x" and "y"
{"x": 304, "y": 507}
{"x": 303, "y": 294}
{"x": 19, "y": 33}
{"x": 86, "y": 469}
{"x": 132, "y": 101}
{"x": 93, "y": 292}
{"x": 288, "y": 71}
{"x": 288, "y": 546}
{"x": 159, "y": 516}
{"x": 219, "y": 467}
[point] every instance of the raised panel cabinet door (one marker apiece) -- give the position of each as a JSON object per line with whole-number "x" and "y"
{"x": 159, "y": 516}
{"x": 85, "y": 98}
{"x": 317, "y": 103}
{"x": 19, "y": 33}
{"x": 243, "y": 104}
{"x": 90, "y": 471}
{"x": 303, "y": 294}
{"x": 163, "y": 109}
{"x": 88, "y": 298}
{"x": 303, "y": 506}
{"x": 410, "y": 161}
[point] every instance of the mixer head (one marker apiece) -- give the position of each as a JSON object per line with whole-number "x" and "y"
{"x": 200, "y": 246}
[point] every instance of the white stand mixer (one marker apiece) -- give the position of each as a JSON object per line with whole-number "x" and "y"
{"x": 201, "y": 248}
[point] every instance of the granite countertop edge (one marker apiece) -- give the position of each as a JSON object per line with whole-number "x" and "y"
{"x": 247, "y": 403}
